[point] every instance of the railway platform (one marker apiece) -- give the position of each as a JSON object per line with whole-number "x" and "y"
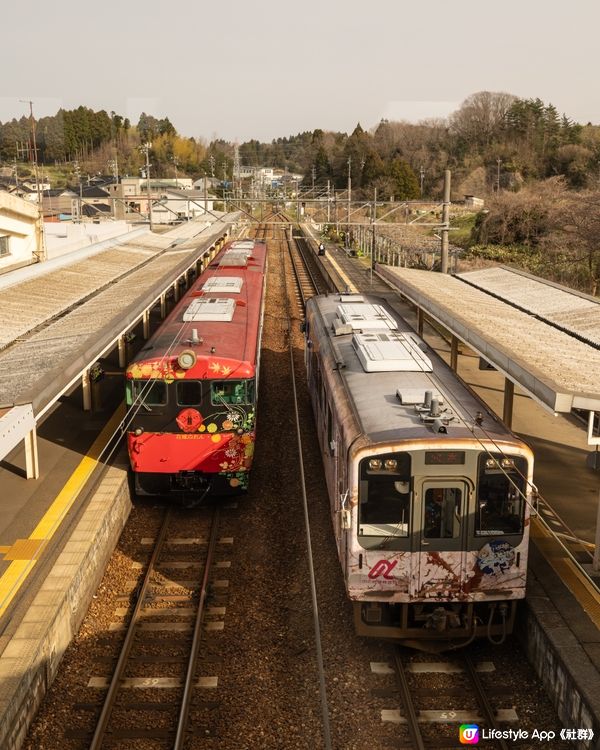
{"x": 560, "y": 624}
{"x": 58, "y": 531}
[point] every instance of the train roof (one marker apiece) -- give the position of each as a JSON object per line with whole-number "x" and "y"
{"x": 387, "y": 371}
{"x": 218, "y": 318}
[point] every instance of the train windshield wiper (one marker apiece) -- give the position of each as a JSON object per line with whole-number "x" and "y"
{"x": 144, "y": 404}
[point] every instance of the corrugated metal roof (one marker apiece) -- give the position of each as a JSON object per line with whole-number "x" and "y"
{"x": 36, "y": 369}
{"x": 45, "y": 290}
{"x": 31, "y": 303}
{"x": 568, "y": 309}
{"x": 558, "y": 369}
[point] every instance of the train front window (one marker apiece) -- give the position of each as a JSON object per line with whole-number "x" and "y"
{"x": 501, "y": 493}
{"x": 442, "y": 512}
{"x": 232, "y": 392}
{"x": 385, "y": 498}
{"x": 189, "y": 393}
{"x": 149, "y": 393}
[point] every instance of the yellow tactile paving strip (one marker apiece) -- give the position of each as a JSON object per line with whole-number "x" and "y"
{"x": 25, "y": 552}
{"x": 570, "y": 575}
{"x": 24, "y": 549}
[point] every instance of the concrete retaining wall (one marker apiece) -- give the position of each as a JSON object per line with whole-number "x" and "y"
{"x": 30, "y": 661}
{"x": 561, "y": 646}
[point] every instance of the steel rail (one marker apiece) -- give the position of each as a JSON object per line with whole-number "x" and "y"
{"x": 410, "y": 711}
{"x": 313, "y": 586}
{"x": 195, "y": 648}
{"x": 304, "y": 282}
{"x": 110, "y": 698}
{"x": 482, "y": 699}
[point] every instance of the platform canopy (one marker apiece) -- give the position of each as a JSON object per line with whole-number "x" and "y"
{"x": 536, "y": 333}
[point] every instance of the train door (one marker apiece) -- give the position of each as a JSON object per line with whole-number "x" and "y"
{"x": 341, "y": 511}
{"x": 441, "y": 536}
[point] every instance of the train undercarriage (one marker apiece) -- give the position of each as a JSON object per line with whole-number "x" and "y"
{"x": 436, "y": 626}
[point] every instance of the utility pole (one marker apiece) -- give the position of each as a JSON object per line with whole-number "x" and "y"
{"x": 374, "y": 220}
{"x": 422, "y": 175}
{"x": 175, "y": 163}
{"x": 347, "y": 243}
{"x": 328, "y": 202}
{"x": 313, "y": 171}
{"x": 237, "y": 178}
{"x": 41, "y": 240}
{"x": 146, "y": 150}
{"x": 77, "y": 170}
{"x": 499, "y": 162}
{"x": 335, "y": 208}
{"x": 445, "y": 221}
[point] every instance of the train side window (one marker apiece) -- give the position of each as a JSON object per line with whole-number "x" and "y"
{"x": 500, "y": 495}
{"x": 442, "y": 512}
{"x": 228, "y": 392}
{"x": 150, "y": 392}
{"x": 189, "y": 393}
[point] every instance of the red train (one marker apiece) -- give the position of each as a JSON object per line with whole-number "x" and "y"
{"x": 191, "y": 391}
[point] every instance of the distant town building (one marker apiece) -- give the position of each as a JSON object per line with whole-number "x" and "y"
{"x": 129, "y": 197}
{"x": 181, "y": 205}
{"x": 20, "y": 232}
{"x": 475, "y": 203}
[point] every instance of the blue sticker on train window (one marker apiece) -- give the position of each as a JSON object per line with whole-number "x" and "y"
{"x": 495, "y": 557}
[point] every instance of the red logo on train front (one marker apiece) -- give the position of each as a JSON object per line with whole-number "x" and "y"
{"x": 383, "y": 568}
{"x": 189, "y": 420}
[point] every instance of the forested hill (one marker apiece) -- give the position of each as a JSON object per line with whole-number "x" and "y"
{"x": 493, "y": 139}
{"x": 538, "y": 171}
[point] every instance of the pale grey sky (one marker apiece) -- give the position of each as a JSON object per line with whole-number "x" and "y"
{"x": 267, "y": 69}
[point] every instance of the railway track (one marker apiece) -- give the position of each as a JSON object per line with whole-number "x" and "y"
{"x": 435, "y": 697}
{"x": 161, "y": 650}
{"x": 268, "y": 660}
{"x": 302, "y": 284}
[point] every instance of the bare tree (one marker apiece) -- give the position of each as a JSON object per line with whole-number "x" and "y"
{"x": 522, "y": 218}
{"x": 573, "y": 243}
{"x": 481, "y": 116}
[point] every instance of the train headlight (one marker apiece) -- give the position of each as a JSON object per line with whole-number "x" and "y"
{"x": 138, "y": 431}
{"x": 186, "y": 359}
{"x": 391, "y": 464}
{"x": 491, "y": 463}
{"x": 507, "y": 463}
{"x": 375, "y": 464}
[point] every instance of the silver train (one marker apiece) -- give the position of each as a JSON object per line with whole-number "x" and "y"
{"x": 429, "y": 491}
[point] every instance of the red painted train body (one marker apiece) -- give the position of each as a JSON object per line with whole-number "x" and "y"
{"x": 192, "y": 389}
